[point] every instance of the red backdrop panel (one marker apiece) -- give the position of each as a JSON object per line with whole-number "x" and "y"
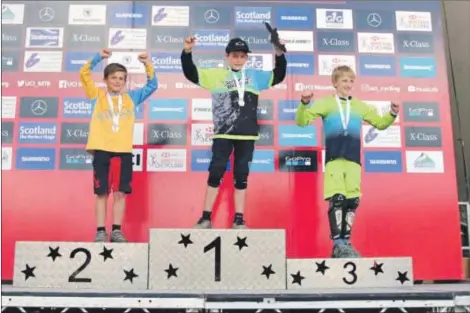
{"x": 401, "y": 214}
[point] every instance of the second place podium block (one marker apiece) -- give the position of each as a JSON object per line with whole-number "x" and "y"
{"x": 81, "y": 265}
{"x": 192, "y": 259}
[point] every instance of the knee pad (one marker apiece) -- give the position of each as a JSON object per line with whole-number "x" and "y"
{"x": 241, "y": 181}
{"x": 352, "y": 204}
{"x": 335, "y": 214}
{"x": 215, "y": 177}
{"x": 337, "y": 201}
{"x": 349, "y": 213}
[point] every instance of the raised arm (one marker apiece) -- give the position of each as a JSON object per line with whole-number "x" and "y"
{"x": 85, "y": 74}
{"x": 380, "y": 122}
{"x": 197, "y": 76}
{"x": 304, "y": 115}
{"x": 267, "y": 79}
{"x": 140, "y": 95}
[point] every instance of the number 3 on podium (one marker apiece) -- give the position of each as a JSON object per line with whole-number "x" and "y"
{"x": 352, "y": 277}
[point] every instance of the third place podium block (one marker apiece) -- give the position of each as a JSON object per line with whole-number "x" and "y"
{"x": 349, "y": 273}
{"x": 193, "y": 259}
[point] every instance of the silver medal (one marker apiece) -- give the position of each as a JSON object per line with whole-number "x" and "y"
{"x": 240, "y": 87}
{"x": 344, "y": 117}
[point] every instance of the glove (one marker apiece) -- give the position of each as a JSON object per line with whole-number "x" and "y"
{"x": 275, "y": 38}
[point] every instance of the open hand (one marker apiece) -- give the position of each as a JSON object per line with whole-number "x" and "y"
{"x": 307, "y": 96}
{"x": 395, "y": 108}
{"x": 189, "y": 43}
{"x": 105, "y": 53}
{"x": 143, "y": 57}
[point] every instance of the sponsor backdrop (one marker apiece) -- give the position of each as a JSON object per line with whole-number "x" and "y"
{"x": 397, "y": 51}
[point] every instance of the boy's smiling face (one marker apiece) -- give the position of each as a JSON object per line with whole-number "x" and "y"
{"x": 344, "y": 84}
{"x": 237, "y": 60}
{"x": 116, "y": 81}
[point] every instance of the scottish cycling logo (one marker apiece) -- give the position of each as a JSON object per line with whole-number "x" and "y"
{"x": 414, "y": 21}
{"x": 375, "y": 43}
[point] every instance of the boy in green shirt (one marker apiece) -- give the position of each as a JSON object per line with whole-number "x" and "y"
{"x": 342, "y": 117}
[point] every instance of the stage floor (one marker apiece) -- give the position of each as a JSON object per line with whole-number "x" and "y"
{"x": 418, "y": 296}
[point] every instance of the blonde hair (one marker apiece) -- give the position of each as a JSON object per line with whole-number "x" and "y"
{"x": 340, "y": 71}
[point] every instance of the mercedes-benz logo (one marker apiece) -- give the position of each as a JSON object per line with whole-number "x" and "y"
{"x": 374, "y": 19}
{"x": 211, "y": 16}
{"x": 39, "y": 107}
{"x": 46, "y": 14}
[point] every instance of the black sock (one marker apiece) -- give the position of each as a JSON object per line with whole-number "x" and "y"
{"x": 238, "y": 218}
{"x": 116, "y": 227}
{"x": 206, "y": 215}
{"x": 101, "y": 229}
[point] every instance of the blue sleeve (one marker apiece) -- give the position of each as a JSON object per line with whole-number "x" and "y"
{"x": 139, "y": 96}
{"x": 264, "y": 79}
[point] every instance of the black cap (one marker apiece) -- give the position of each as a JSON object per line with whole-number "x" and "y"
{"x": 237, "y": 45}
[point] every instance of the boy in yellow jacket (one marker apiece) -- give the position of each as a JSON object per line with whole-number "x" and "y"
{"x": 110, "y": 136}
{"x": 342, "y": 117}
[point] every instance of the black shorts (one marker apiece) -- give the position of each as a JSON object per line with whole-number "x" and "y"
{"x": 112, "y": 172}
{"x": 242, "y": 154}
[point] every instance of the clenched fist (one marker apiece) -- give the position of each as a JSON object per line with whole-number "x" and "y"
{"x": 143, "y": 57}
{"x": 189, "y": 43}
{"x": 306, "y": 97}
{"x": 105, "y": 53}
{"x": 394, "y": 108}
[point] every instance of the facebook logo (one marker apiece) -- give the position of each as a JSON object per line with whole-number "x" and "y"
{"x": 300, "y": 64}
{"x": 383, "y": 161}
{"x": 168, "y": 109}
{"x": 75, "y": 60}
{"x": 377, "y": 66}
{"x": 263, "y": 161}
{"x": 293, "y": 135}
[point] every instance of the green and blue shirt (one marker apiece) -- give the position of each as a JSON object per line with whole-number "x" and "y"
{"x": 338, "y": 144}
{"x": 231, "y": 120}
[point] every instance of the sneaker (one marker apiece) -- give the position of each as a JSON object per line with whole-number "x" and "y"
{"x": 239, "y": 225}
{"x": 117, "y": 236}
{"x": 101, "y": 236}
{"x": 353, "y": 252}
{"x": 203, "y": 224}
{"x": 343, "y": 251}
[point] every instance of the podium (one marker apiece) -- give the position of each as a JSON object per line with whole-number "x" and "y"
{"x": 198, "y": 260}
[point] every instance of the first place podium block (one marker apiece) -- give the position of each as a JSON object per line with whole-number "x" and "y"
{"x": 195, "y": 259}
{"x": 77, "y": 265}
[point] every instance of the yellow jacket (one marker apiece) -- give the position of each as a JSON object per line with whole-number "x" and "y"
{"x": 101, "y": 135}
